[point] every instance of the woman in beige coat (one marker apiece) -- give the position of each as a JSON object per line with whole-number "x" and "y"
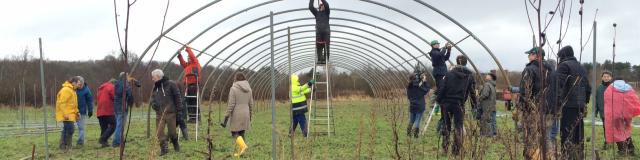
{"x": 238, "y": 115}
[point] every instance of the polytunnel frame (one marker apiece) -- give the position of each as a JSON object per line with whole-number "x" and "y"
{"x": 376, "y": 3}
{"x": 265, "y": 3}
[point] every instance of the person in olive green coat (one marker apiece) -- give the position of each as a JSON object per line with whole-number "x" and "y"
{"x": 599, "y": 110}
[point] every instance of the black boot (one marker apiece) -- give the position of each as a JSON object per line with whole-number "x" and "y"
{"x": 416, "y": 131}
{"x": 409, "y": 130}
{"x": 176, "y": 145}
{"x": 163, "y": 148}
{"x": 185, "y": 134}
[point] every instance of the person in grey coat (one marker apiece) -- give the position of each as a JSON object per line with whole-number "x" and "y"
{"x": 487, "y": 108}
{"x": 238, "y": 115}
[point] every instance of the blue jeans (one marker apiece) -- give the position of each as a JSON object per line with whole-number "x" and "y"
{"x": 121, "y": 119}
{"x": 553, "y": 130}
{"x": 299, "y": 119}
{"x": 414, "y": 119}
{"x": 494, "y": 127}
{"x": 81, "y": 124}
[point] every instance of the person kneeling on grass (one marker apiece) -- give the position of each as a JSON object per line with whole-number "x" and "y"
{"x": 67, "y": 110}
{"x": 299, "y": 104}
{"x": 240, "y": 104}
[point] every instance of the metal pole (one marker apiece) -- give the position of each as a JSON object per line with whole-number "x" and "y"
{"x": 273, "y": 95}
{"x": 44, "y": 102}
{"x": 290, "y": 94}
{"x": 593, "y": 96}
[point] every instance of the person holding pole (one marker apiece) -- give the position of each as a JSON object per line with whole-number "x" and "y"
{"x": 191, "y": 79}
{"x": 417, "y": 89}
{"x": 299, "y": 104}
{"x": 323, "y": 29}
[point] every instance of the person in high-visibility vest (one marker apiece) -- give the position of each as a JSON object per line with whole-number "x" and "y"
{"x": 299, "y": 104}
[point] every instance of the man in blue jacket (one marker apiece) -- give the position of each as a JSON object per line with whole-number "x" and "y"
{"x": 85, "y": 106}
{"x": 119, "y": 108}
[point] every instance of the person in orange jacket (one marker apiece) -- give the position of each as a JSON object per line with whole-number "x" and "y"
{"x": 67, "y": 110}
{"x": 191, "y": 78}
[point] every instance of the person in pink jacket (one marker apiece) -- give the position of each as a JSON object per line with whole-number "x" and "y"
{"x": 621, "y": 105}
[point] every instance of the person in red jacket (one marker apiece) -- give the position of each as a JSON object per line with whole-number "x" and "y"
{"x": 106, "y": 116}
{"x": 191, "y": 80}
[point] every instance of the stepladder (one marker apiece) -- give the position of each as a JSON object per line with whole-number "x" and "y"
{"x": 192, "y": 105}
{"x": 321, "y": 117}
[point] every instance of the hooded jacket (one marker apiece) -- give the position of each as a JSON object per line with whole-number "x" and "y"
{"x": 85, "y": 100}
{"x": 415, "y": 93}
{"x": 106, "y": 95}
{"x": 298, "y": 99}
{"x": 166, "y": 97}
{"x": 456, "y": 87}
{"x": 322, "y": 17}
{"x": 191, "y": 68}
{"x": 240, "y": 106}
{"x": 572, "y": 92}
{"x": 67, "y": 103}
{"x": 621, "y": 104}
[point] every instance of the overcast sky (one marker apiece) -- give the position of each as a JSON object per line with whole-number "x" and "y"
{"x": 82, "y": 30}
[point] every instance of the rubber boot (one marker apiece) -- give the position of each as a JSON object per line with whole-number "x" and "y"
{"x": 241, "y": 146}
{"x": 416, "y": 131}
{"x": 409, "y": 130}
{"x": 163, "y": 148}
{"x": 176, "y": 145}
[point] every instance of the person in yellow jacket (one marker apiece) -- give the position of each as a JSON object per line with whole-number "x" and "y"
{"x": 299, "y": 104}
{"x": 67, "y": 110}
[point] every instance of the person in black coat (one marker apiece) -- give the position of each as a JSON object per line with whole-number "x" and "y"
{"x": 456, "y": 87}
{"x": 534, "y": 81}
{"x": 573, "y": 91}
{"x": 323, "y": 29}
{"x": 416, "y": 90}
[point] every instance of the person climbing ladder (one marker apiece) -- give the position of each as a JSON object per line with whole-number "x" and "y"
{"x": 323, "y": 30}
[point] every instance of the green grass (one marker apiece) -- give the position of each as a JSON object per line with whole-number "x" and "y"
{"x": 363, "y": 127}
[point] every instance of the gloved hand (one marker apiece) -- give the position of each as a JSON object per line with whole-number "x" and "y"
{"x": 90, "y": 114}
{"x": 311, "y": 82}
{"x": 224, "y": 124}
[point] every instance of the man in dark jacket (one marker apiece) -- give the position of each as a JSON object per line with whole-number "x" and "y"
{"x": 454, "y": 90}
{"x": 120, "y": 108}
{"x": 573, "y": 90}
{"x": 323, "y": 29}
{"x": 607, "y": 78}
{"x": 439, "y": 57}
{"x": 166, "y": 101}
{"x": 85, "y": 106}
{"x": 416, "y": 90}
{"x": 532, "y": 86}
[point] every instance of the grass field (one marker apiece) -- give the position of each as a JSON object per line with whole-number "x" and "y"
{"x": 364, "y": 130}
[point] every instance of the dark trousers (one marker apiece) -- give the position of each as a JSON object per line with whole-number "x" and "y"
{"x": 626, "y": 147}
{"x": 168, "y": 121}
{"x": 107, "y": 127}
{"x": 238, "y": 133}
{"x": 508, "y": 104}
{"x": 183, "y": 127}
{"x": 66, "y": 135}
{"x": 322, "y": 49}
{"x": 572, "y": 133}
{"x": 302, "y": 121}
{"x": 452, "y": 113}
